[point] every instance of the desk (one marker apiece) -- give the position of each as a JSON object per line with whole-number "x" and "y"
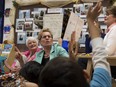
{"x": 111, "y": 60}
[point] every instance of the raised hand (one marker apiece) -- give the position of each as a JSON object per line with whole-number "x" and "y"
{"x": 92, "y": 15}
{"x": 94, "y": 12}
{"x": 73, "y": 49}
{"x": 19, "y": 56}
{"x": 18, "y": 53}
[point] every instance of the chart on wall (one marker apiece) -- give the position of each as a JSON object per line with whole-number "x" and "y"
{"x": 54, "y": 23}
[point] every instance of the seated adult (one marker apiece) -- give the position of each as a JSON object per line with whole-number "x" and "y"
{"x": 63, "y": 72}
{"x": 50, "y": 50}
{"x": 24, "y": 57}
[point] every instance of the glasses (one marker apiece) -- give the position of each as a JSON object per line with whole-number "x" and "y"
{"x": 46, "y": 36}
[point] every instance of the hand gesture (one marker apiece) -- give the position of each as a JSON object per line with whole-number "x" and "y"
{"x": 18, "y": 53}
{"x": 73, "y": 47}
{"x": 18, "y": 56}
{"x": 94, "y": 12}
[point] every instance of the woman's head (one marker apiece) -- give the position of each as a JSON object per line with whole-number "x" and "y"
{"x": 45, "y": 37}
{"x": 110, "y": 16}
{"x": 32, "y": 43}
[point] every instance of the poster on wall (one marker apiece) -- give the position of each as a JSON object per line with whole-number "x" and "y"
{"x": 54, "y": 23}
{"x": 75, "y": 23}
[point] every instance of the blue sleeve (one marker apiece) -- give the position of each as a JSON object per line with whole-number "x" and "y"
{"x": 101, "y": 78}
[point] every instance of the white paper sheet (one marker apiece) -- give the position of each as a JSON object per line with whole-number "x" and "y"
{"x": 54, "y": 23}
{"x": 75, "y": 23}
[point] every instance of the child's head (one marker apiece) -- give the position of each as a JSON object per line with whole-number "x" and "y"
{"x": 31, "y": 71}
{"x": 62, "y": 72}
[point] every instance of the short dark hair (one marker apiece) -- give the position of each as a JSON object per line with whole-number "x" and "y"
{"x": 62, "y": 72}
{"x": 31, "y": 71}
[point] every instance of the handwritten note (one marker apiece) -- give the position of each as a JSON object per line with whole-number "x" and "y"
{"x": 54, "y": 23}
{"x": 75, "y": 23}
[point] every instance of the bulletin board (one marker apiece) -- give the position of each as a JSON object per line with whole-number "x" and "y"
{"x": 26, "y": 24}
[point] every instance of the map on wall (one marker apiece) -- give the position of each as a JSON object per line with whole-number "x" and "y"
{"x": 54, "y": 23}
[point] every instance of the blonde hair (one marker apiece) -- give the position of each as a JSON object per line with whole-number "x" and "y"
{"x": 31, "y": 38}
{"x": 44, "y": 30}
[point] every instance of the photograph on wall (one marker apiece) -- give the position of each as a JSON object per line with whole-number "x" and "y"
{"x": 42, "y": 11}
{"x": 103, "y": 12}
{"x": 7, "y": 12}
{"x": 83, "y": 37}
{"x": 32, "y": 34}
{"x": 79, "y": 9}
{"x": 21, "y": 38}
{"x": 39, "y": 13}
{"x": 20, "y": 25}
{"x": 37, "y": 24}
{"x": 68, "y": 9}
{"x": 87, "y": 6}
{"x": 85, "y": 23}
{"x": 24, "y": 14}
{"x": 101, "y": 19}
{"x": 35, "y": 34}
{"x": 29, "y": 34}
{"x": 28, "y": 24}
{"x": 104, "y": 28}
{"x": 38, "y": 20}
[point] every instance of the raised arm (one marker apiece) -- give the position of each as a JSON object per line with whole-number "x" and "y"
{"x": 101, "y": 75}
{"x": 73, "y": 46}
{"x": 19, "y": 56}
{"x": 92, "y": 15}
